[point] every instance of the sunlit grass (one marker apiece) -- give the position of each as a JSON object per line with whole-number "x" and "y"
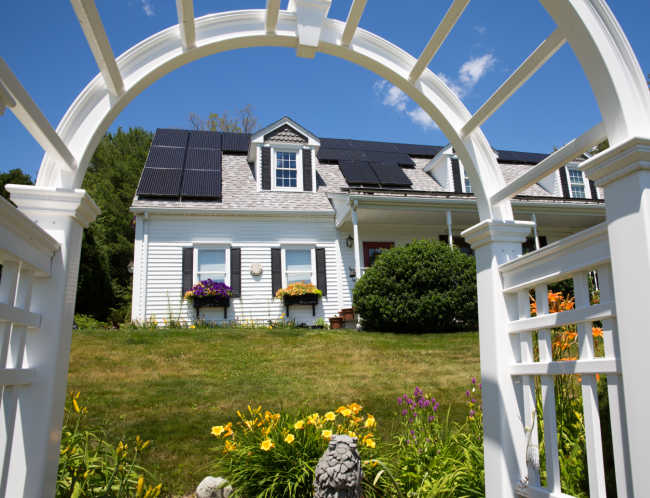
{"x": 171, "y": 386}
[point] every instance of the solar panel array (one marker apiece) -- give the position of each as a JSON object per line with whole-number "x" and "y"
{"x": 183, "y": 165}
{"x": 187, "y": 164}
{"x": 373, "y": 164}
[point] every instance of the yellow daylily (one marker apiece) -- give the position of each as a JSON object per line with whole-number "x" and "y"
{"x": 326, "y": 433}
{"x": 267, "y": 444}
{"x": 217, "y": 430}
{"x": 346, "y": 412}
{"x": 330, "y": 416}
{"x": 299, "y": 425}
{"x": 289, "y": 438}
{"x": 355, "y": 407}
{"x": 229, "y": 446}
{"x": 370, "y": 422}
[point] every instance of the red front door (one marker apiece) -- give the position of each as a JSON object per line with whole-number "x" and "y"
{"x": 373, "y": 249}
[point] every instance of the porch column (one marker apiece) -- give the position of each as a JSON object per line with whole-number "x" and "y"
{"x": 535, "y": 234}
{"x": 624, "y": 173}
{"x": 63, "y": 214}
{"x": 494, "y": 243}
{"x": 355, "y": 235}
{"x": 450, "y": 235}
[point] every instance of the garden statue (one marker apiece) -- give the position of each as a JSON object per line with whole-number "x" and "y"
{"x": 338, "y": 473}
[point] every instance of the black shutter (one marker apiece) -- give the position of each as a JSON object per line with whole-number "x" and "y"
{"x": 266, "y": 168}
{"x": 594, "y": 192}
{"x": 276, "y": 269}
{"x": 321, "y": 274}
{"x": 455, "y": 173}
{"x": 188, "y": 268}
{"x": 306, "y": 170}
{"x": 235, "y": 271}
{"x": 542, "y": 240}
{"x": 565, "y": 183}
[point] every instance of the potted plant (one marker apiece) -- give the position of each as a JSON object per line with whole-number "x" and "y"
{"x": 300, "y": 293}
{"x": 208, "y": 293}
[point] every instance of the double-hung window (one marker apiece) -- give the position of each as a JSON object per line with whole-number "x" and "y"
{"x": 287, "y": 168}
{"x": 298, "y": 265}
{"x": 468, "y": 185}
{"x": 211, "y": 263}
{"x": 576, "y": 183}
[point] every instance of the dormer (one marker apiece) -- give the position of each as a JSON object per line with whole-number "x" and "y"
{"x": 284, "y": 155}
{"x": 449, "y": 172}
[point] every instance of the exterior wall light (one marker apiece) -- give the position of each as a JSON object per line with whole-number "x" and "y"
{"x": 349, "y": 242}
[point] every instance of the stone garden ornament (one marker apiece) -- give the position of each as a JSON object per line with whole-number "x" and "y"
{"x": 338, "y": 473}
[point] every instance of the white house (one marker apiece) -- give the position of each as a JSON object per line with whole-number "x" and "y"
{"x": 259, "y": 211}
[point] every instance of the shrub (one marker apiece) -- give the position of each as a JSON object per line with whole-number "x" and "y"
{"x": 425, "y": 286}
{"x": 91, "y": 466}
{"x": 269, "y": 454}
{"x": 88, "y": 322}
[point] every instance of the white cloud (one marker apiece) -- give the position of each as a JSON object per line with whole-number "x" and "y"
{"x": 396, "y": 98}
{"x": 147, "y": 7}
{"x": 474, "y": 69}
{"x": 420, "y": 117}
{"x": 392, "y": 96}
{"x": 481, "y": 30}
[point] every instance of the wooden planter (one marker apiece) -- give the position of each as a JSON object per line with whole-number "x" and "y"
{"x": 336, "y": 322}
{"x": 347, "y": 314}
{"x": 211, "y": 302}
{"x": 305, "y": 299}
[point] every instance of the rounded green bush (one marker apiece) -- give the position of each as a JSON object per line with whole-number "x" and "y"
{"x": 425, "y": 286}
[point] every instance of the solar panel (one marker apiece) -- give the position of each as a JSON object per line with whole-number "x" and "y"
{"x": 203, "y": 159}
{"x": 390, "y": 175}
{"x": 374, "y": 146}
{"x": 334, "y": 143}
{"x": 165, "y": 157}
{"x": 157, "y": 182}
{"x": 511, "y": 156}
{"x": 418, "y": 150}
{"x": 358, "y": 173}
{"x": 170, "y": 138}
{"x": 235, "y": 142}
{"x": 204, "y": 140}
{"x": 201, "y": 184}
{"x": 329, "y": 154}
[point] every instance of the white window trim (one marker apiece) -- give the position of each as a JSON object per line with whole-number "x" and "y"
{"x": 463, "y": 175}
{"x": 208, "y": 247}
{"x": 312, "y": 252}
{"x": 585, "y": 184}
{"x": 297, "y": 149}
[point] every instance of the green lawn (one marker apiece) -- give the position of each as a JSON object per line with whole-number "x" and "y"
{"x": 171, "y": 386}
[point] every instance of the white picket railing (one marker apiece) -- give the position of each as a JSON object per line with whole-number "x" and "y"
{"x": 26, "y": 253}
{"x": 573, "y": 257}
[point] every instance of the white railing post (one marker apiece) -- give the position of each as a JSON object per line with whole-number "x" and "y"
{"x": 63, "y": 214}
{"x": 624, "y": 173}
{"x": 494, "y": 243}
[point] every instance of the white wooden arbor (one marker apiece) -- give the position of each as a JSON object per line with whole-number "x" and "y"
{"x": 40, "y": 243}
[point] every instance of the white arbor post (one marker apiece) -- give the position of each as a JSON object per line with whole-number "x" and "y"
{"x": 624, "y": 173}
{"x": 63, "y": 214}
{"x": 357, "y": 244}
{"x": 494, "y": 243}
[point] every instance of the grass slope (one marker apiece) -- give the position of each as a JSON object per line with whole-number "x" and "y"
{"x": 171, "y": 386}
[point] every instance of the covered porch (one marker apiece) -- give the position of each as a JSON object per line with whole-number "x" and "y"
{"x": 371, "y": 222}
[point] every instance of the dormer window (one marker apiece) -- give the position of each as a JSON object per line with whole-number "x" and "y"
{"x": 576, "y": 183}
{"x": 286, "y": 170}
{"x": 467, "y": 185}
{"x": 283, "y": 156}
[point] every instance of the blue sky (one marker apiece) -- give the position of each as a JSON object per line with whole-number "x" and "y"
{"x": 44, "y": 45}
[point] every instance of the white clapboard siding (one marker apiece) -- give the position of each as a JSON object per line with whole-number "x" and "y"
{"x": 255, "y": 236}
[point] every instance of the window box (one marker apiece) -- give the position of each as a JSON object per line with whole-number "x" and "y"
{"x": 211, "y": 302}
{"x": 305, "y": 299}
